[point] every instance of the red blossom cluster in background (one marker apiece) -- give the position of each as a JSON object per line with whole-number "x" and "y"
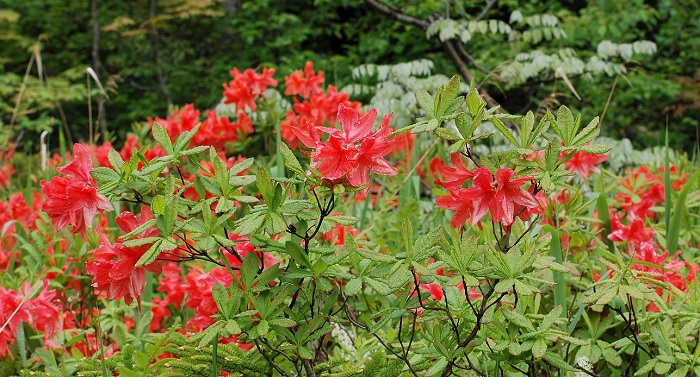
{"x": 246, "y": 87}
{"x": 6, "y": 168}
{"x": 40, "y": 312}
{"x": 15, "y": 212}
{"x": 215, "y": 130}
{"x": 641, "y": 189}
{"x": 314, "y": 107}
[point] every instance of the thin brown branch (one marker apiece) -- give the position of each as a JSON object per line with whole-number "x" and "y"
{"x": 396, "y": 14}
{"x": 486, "y": 9}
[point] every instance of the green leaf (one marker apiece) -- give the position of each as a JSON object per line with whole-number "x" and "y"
{"x": 456, "y": 147}
{"x": 150, "y": 255}
{"x": 407, "y": 236}
{"x": 343, "y": 220}
{"x": 595, "y": 148}
{"x": 551, "y": 317}
{"x": 154, "y": 167}
{"x": 265, "y": 185}
{"x": 283, "y": 322}
{"x": 565, "y": 122}
{"x": 195, "y": 150}
{"x": 290, "y": 160}
{"x": 474, "y": 101}
{"x": 539, "y": 348}
{"x": 431, "y": 125}
{"x": 505, "y": 132}
{"x": 680, "y": 372}
{"x": 241, "y": 166}
{"x": 446, "y": 134}
{"x": 646, "y": 368}
{"x": 426, "y": 101}
{"x": 184, "y": 139}
{"x": 526, "y": 124}
{"x": 587, "y": 134}
{"x": 220, "y": 295}
{"x": 437, "y": 368}
{"x": 141, "y": 241}
{"x": 158, "y": 205}
{"x": 379, "y": 287}
{"x": 249, "y": 269}
{"x": 232, "y": 327}
{"x": 374, "y": 255}
{"x": 102, "y": 174}
{"x": 297, "y": 253}
{"x": 672, "y": 235}
{"x": 557, "y": 362}
{"x": 249, "y": 223}
{"x": 541, "y": 127}
{"x": 220, "y": 173}
{"x": 115, "y": 159}
{"x": 446, "y": 96}
{"x": 353, "y": 287}
{"x": 160, "y": 135}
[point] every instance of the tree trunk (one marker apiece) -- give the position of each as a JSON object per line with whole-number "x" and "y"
{"x": 232, "y": 6}
{"x": 162, "y": 75}
{"x": 99, "y": 69}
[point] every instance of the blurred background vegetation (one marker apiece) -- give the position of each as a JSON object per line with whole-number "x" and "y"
{"x": 152, "y": 55}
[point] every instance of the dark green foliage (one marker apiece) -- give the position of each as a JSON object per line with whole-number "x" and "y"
{"x": 180, "y": 52}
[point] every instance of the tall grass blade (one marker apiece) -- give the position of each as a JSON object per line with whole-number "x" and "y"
{"x": 559, "y": 281}
{"x": 667, "y": 180}
{"x": 674, "y": 230}
{"x": 604, "y": 215}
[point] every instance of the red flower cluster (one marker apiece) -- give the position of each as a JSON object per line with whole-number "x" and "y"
{"x": 504, "y": 199}
{"x": 350, "y": 153}
{"x": 304, "y": 83}
{"x": 40, "y": 312}
{"x": 643, "y": 189}
{"x": 247, "y": 86}
{"x": 6, "y": 169}
{"x": 216, "y": 131}
{"x": 583, "y": 163}
{"x": 316, "y": 108}
{"x": 73, "y": 198}
{"x": 113, "y": 268}
{"x": 15, "y": 212}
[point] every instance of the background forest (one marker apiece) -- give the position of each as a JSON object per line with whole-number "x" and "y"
{"x": 150, "y": 55}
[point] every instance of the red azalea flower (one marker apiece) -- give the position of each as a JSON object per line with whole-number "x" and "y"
{"x": 45, "y": 312}
{"x": 455, "y": 202}
{"x": 634, "y": 234}
{"x": 247, "y": 86}
{"x": 198, "y": 288}
{"x": 171, "y": 284}
{"x": 113, "y": 268}
{"x": 320, "y": 109}
{"x": 304, "y": 83}
{"x": 6, "y": 171}
{"x": 12, "y": 313}
{"x": 583, "y": 163}
{"x": 351, "y": 151}
{"x": 128, "y": 149}
{"x": 102, "y": 154}
{"x": 219, "y": 131}
{"x": 501, "y": 199}
{"x": 74, "y": 200}
{"x": 179, "y": 121}
{"x": 455, "y": 176}
{"x": 509, "y": 194}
